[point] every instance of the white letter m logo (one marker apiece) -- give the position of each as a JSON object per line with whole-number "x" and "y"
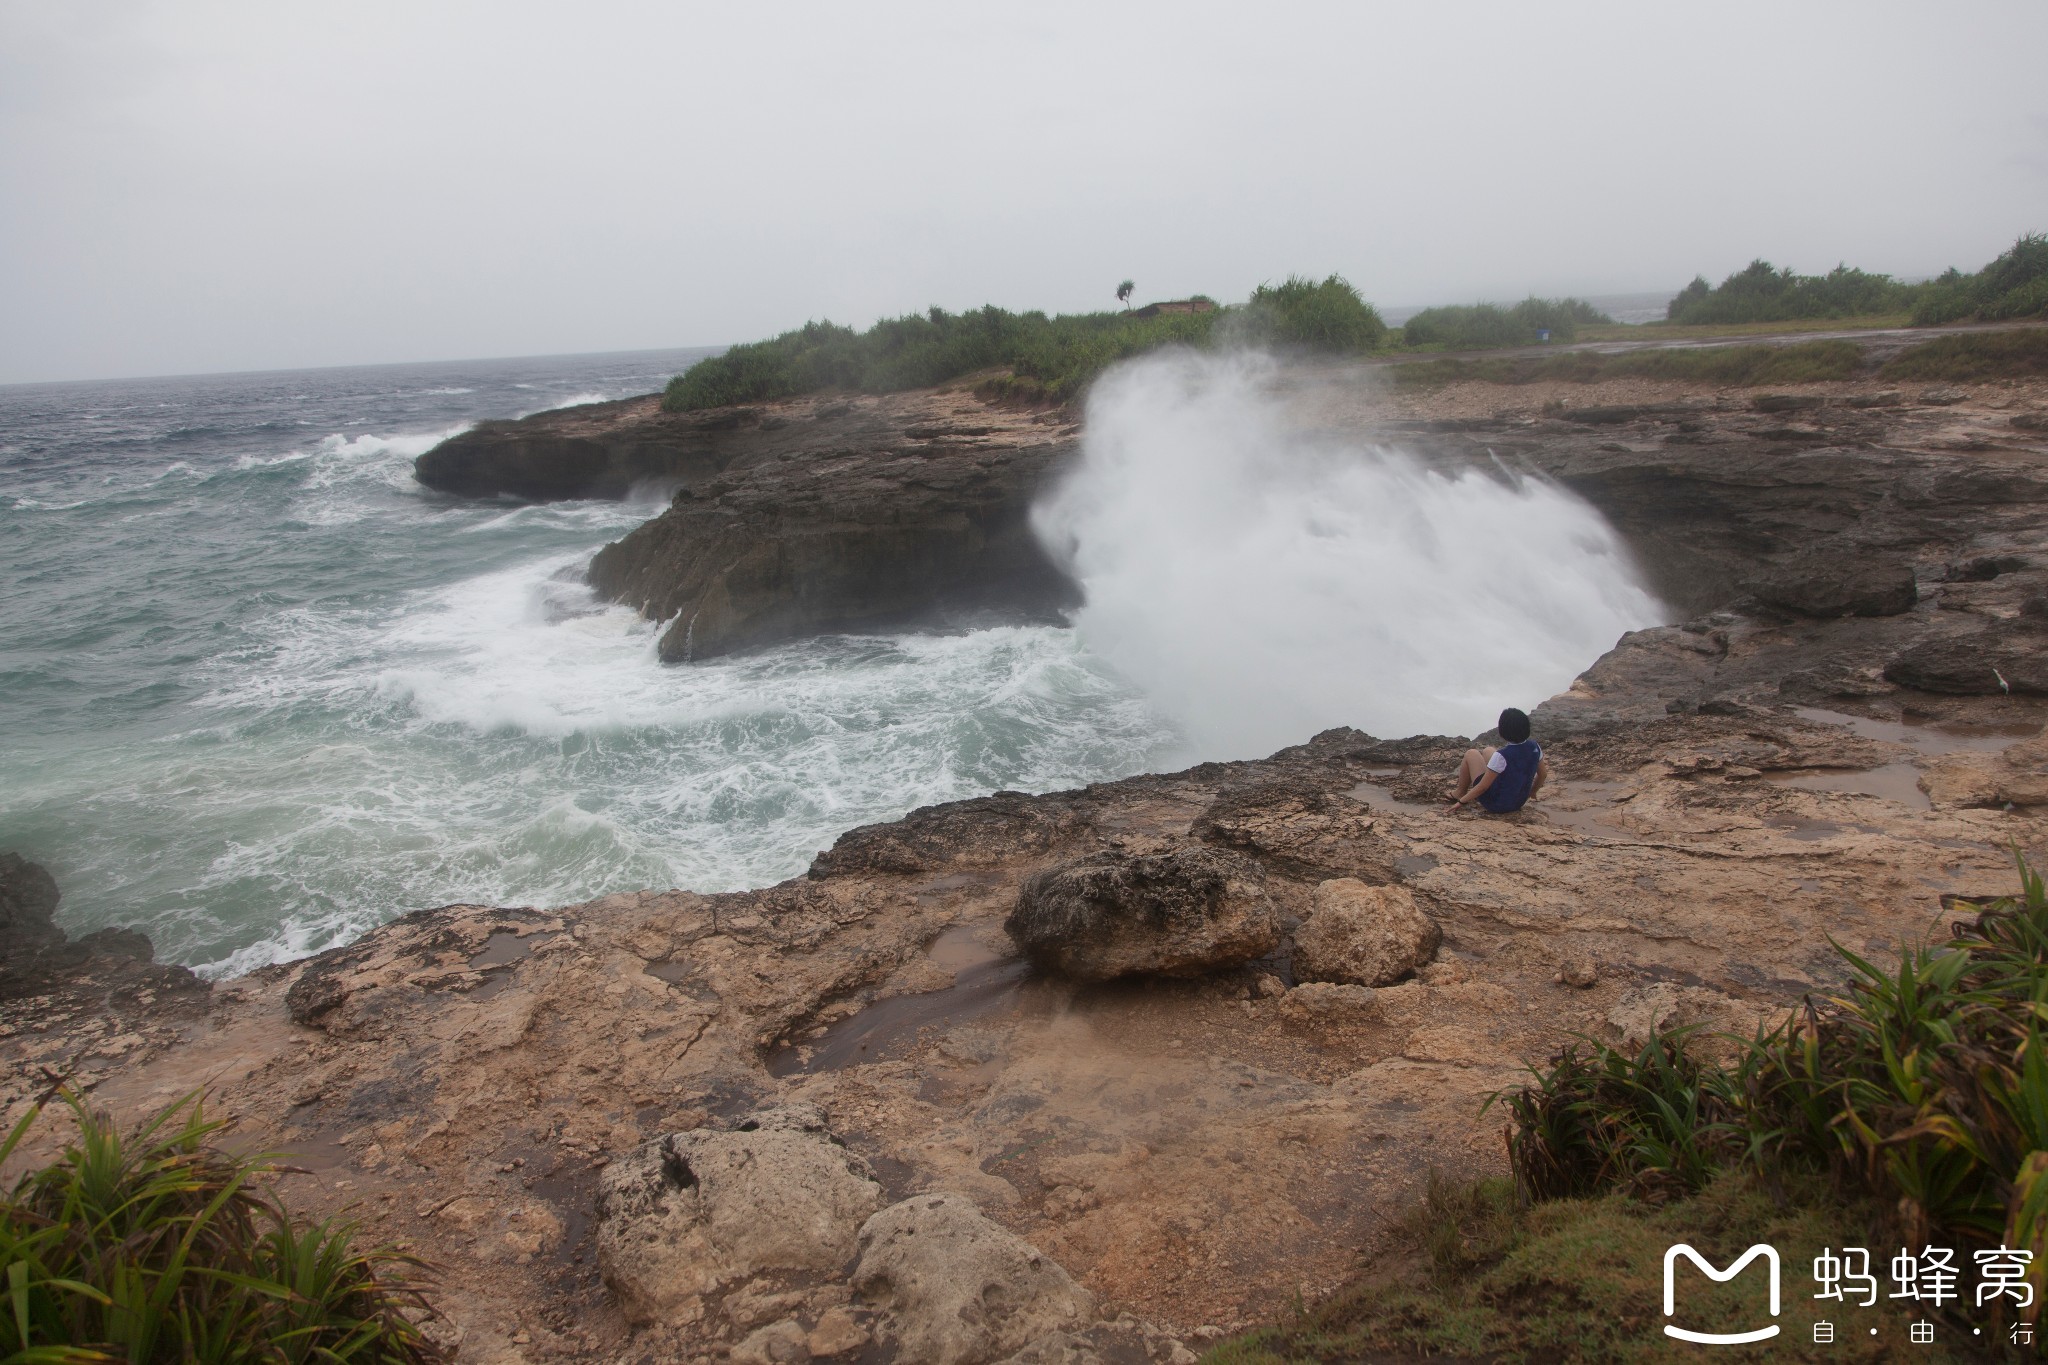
{"x": 1769, "y": 1253}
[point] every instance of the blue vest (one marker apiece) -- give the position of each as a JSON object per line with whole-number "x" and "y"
{"x": 1511, "y": 788}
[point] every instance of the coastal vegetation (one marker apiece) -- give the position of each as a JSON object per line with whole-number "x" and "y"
{"x": 1908, "y": 1109}
{"x": 1049, "y": 358}
{"x": 1966, "y": 356}
{"x": 1733, "y": 366}
{"x": 1485, "y": 325}
{"x": 160, "y": 1245}
{"x": 2013, "y": 286}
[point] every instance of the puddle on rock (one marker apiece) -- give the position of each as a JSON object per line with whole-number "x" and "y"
{"x": 1898, "y": 782}
{"x": 984, "y": 983}
{"x": 1928, "y": 736}
{"x": 1584, "y": 807}
{"x": 1801, "y": 828}
{"x": 503, "y": 948}
{"x": 1379, "y": 791}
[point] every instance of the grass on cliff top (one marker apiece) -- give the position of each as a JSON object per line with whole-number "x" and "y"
{"x": 1734, "y": 366}
{"x": 1046, "y": 358}
{"x": 1965, "y": 356}
{"x": 1478, "y": 1274}
{"x": 159, "y": 1246}
{"x": 1910, "y": 1109}
{"x": 1736, "y": 331}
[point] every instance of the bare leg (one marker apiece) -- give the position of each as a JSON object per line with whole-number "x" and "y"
{"x": 1470, "y": 768}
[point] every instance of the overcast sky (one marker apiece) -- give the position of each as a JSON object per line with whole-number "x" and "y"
{"x": 192, "y": 185}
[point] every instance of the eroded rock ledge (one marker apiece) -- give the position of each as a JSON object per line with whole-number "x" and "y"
{"x": 502, "y": 1088}
{"x": 830, "y": 513}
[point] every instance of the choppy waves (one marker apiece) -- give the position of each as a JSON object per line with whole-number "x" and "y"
{"x": 280, "y": 694}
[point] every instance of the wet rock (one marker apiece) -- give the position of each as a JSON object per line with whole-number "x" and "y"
{"x": 2016, "y": 777}
{"x": 1787, "y": 402}
{"x": 28, "y": 906}
{"x": 953, "y": 1288}
{"x": 1838, "y": 581}
{"x": 1180, "y": 913}
{"x": 693, "y": 1213}
{"x": 1363, "y": 935}
{"x": 111, "y": 964}
{"x": 851, "y": 524}
{"x": 2002, "y": 657}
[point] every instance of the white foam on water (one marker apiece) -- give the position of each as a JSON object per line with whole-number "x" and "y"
{"x": 1261, "y": 582}
{"x": 509, "y": 739}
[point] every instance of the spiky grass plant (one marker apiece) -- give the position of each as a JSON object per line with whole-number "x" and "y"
{"x": 1923, "y": 1088}
{"x": 157, "y": 1245}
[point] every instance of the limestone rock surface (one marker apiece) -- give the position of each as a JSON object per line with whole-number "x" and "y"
{"x": 1838, "y": 582}
{"x": 693, "y": 1213}
{"x": 1363, "y": 935}
{"x": 953, "y": 1288}
{"x": 1183, "y": 912}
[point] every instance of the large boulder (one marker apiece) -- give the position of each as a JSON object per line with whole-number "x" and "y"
{"x": 2004, "y": 656}
{"x": 1838, "y": 581}
{"x": 952, "y": 1288}
{"x": 28, "y": 906}
{"x": 1179, "y": 913}
{"x": 694, "y": 1213}
{"x": 1363, "y": 935}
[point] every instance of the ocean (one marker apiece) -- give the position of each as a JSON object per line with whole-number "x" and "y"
{"x": 261, "y": 692}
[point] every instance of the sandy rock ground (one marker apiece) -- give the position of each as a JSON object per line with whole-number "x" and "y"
{"x": 1731, "y": 794}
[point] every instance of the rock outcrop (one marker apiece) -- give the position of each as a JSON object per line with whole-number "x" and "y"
{"x": 1363, "y": 935}
{"x": 830, "y": 513}
{"x": 1184, "y": 912}
{"x": 105, "y": 967}
{"x": 696, "y": 1213}
{"x": 953, "y": 1288}
{"x": 1730, "y": 794}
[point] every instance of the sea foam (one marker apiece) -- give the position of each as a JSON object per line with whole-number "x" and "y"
{"x": 1262, "y": 579}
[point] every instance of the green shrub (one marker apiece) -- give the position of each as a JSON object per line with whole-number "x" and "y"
{"x": 1329, "y": 317}
{"x": 1924, "y": 1089}
{"x": 160, "y": 1247}
{"x": 1912, "y": 1104}
{"x": 1061, "y": 354}
{"x": 1482, "y": 325}
{"x": 1967, "y": 356}
{"x": 2013, "y": 286}
{"x": 1474, "y": 1273}
{"x": 1760, "y": 293}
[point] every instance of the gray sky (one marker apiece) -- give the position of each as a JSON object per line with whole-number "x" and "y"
{"x": 242, "y": 184}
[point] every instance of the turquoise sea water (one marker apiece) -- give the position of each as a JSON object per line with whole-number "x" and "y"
{"x": 259, "y": 691}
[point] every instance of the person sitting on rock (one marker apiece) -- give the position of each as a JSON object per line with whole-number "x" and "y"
{"x": 1503, "y": 779}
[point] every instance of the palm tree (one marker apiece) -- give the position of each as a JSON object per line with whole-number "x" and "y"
{"x": 1123, "y": 293}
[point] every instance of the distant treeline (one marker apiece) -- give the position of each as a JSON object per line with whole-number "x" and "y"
{"x": 1480, "y": 326}
{"x": 1052, "y": 358}
{"x": 2013, "y": 286}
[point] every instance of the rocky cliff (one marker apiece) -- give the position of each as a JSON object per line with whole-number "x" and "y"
{"x": 900, "y": 510}
{"x": 829, "y": 513}
{"x": 603, "y": 1121}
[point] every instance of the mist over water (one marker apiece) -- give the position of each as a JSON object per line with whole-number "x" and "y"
{"x": 1260, "y": 580}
